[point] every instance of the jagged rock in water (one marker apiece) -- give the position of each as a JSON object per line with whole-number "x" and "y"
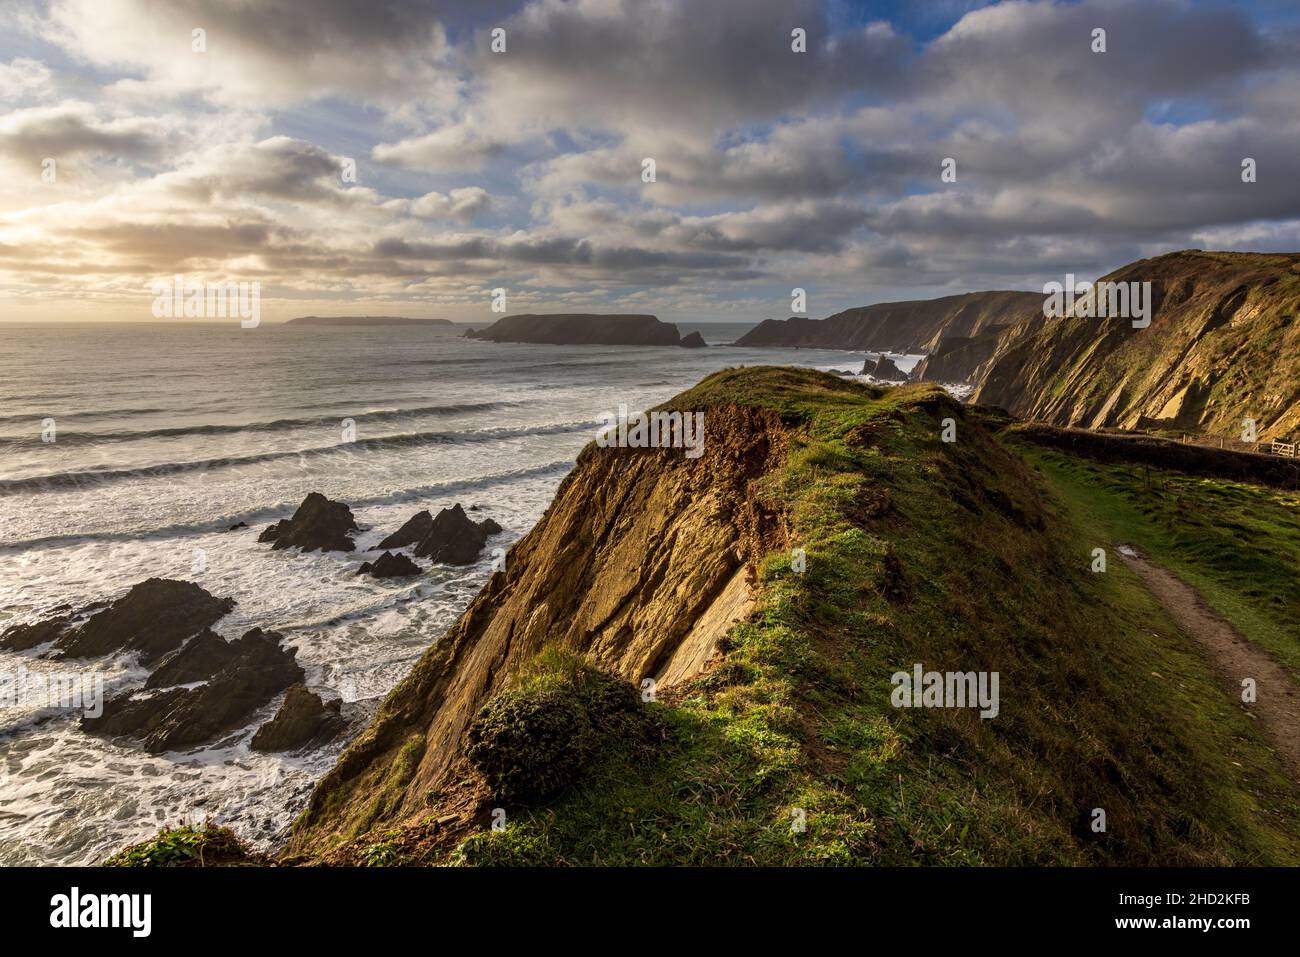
{"x": 693, "y": 340}
{"x": 455, "y": 538}
{"x": 201, "y": 657}
{"x": 176, "y": 718}
{"x": 319, "y": 523}
{"x": 304, "y": 720}
{"x": 153, "y": 618}
{"x": 415, "y": 528}
{"x": 389, "y": 565}
{"x": 22, "y": 637}
{"x": 884, "y": 370}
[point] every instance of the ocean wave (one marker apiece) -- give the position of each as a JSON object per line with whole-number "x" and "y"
{"x": 269, "y": 513}
{"x": 98, "y": 414}
{"x": 274, "y": 425}
{"x": 96, "y": 477}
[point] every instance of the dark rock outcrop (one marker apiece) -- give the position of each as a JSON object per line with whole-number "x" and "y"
{"x": 153, "y": 618}
{"x": 883, "y": 369}
{"x": 175, "y": 718}
{"x": 202, "y": 657}
{"x": 455, "y": 538}
{"x": 389, "y": 565}
{"x": 581, "y": 329}
{"x": 22, "y": 637}
{"x": 693, "y": 340}
{"x": 958, "y": 357}
{"x": 416, "y": 527}
{"x": 319, "y": 523}
{"x": 303, "y": 721}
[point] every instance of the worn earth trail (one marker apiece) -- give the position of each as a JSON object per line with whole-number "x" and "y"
{"x": 1277, "y": 706}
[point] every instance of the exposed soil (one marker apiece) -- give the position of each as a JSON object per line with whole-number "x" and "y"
{"x": 1277, "y": 704}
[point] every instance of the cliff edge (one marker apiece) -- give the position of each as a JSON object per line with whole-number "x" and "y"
{"x": 696, "y": 661}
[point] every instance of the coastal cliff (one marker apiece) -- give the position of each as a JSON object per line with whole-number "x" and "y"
{"x": 761, "y": 598}
{"x": 1222, "y": 347}
{"x": 912, "y": 326}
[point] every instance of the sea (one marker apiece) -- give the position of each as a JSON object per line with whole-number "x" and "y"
{"x": 127, "y": 451}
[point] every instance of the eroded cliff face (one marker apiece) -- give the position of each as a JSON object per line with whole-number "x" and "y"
{"x": 912, "y": 326}
{"x": 875, "y": 547}
{"x": 640, "y": 566}
{"x": 1222, "y": 346}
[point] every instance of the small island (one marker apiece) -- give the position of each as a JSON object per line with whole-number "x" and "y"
{"x": 367, "y": 321}
{"x": 587, "y": 329}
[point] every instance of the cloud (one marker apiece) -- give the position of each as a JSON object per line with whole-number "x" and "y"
{"x": 271, "y": 53}
{"x": 23, "y": 78}
{"x": 464, "y": 204}
{"x": 453, "y": 147}
{"x": 524, "y": 168}
{"x": 76, "y": 128}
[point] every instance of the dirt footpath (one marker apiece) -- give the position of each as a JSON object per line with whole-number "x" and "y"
{"x": 1277, "y": 704}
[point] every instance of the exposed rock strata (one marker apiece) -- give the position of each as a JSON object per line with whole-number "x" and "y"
{"x": 641, "y": 565}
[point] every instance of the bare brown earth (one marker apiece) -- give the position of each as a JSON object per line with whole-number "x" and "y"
{"x": 1277, "y": 704}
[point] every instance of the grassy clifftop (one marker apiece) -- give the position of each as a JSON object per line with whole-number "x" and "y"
{"x": 776, "y": 742}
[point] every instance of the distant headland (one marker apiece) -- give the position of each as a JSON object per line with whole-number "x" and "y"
{"x": 367, "y": 321}
{"x": 569, "y": 329}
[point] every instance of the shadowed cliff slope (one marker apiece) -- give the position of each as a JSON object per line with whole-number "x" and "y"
{"x": 913, "y": 326}
{"x": 827, "y": 539}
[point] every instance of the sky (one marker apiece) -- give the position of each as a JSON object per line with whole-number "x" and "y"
{"x": 133, "y": 150}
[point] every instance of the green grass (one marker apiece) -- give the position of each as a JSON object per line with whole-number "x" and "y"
{"x": 189, "y": 845}
{"x": 955, "y": 556}
{"x": 1237, "y": 544}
